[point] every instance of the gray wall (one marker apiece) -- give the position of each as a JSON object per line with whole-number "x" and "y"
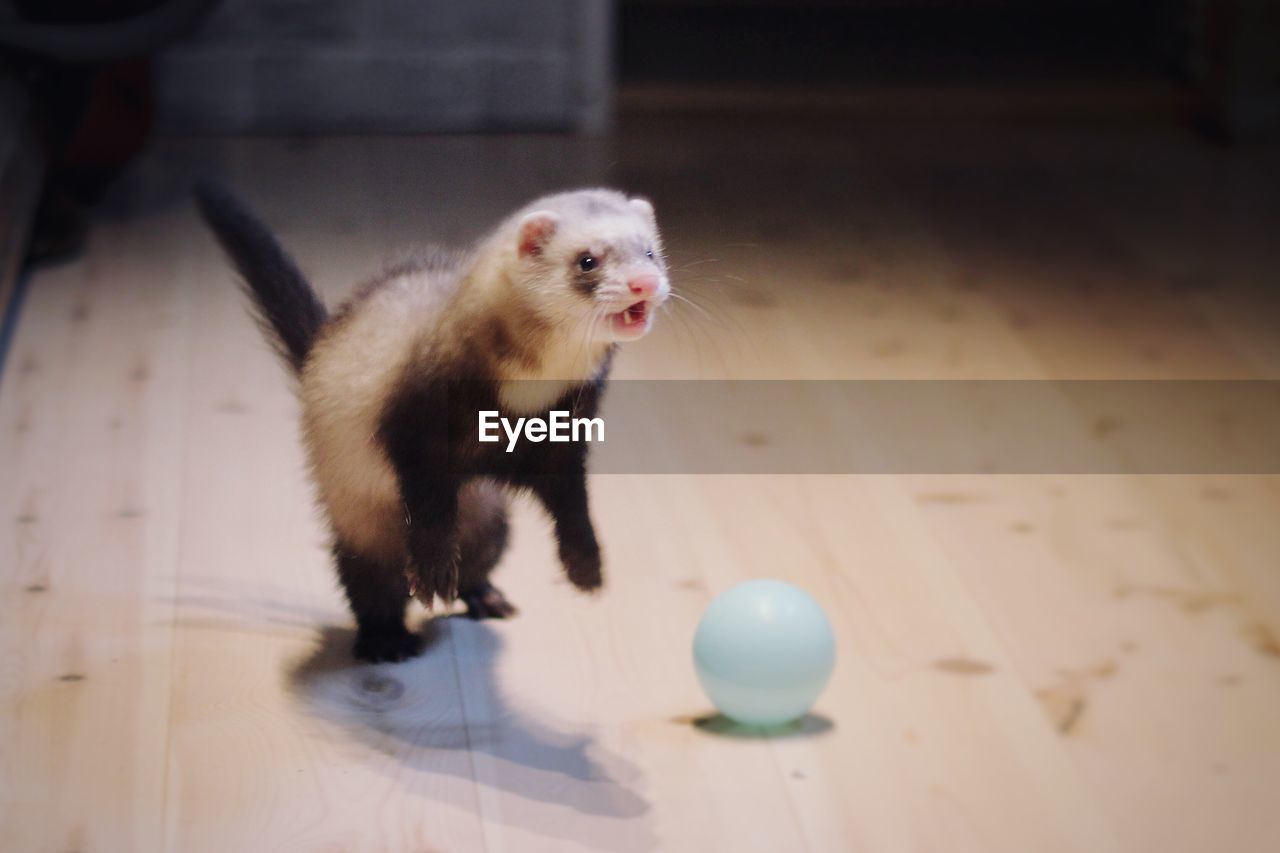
{"x": 392, "y": 65}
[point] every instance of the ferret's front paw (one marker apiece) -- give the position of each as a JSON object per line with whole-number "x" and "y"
{"x": 486, "y": 601}
{"x": 583, "y": 569}
{"x": 387, "y": 645}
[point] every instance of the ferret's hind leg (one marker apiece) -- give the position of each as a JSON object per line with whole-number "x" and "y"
{"x": 482, "y": 538}
{"x": 378, "y": 591}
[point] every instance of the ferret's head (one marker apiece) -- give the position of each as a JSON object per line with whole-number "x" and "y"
{"x": 591, "y": 263}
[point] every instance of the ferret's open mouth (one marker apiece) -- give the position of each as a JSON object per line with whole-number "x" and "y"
{"x": 633, "y": 319}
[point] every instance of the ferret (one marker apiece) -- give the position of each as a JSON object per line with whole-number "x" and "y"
{"x": 526, "y": 321}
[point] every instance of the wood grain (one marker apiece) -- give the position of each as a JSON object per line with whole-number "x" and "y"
{"x": 1025, "y": 663}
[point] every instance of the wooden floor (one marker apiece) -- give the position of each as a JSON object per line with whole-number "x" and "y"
{"x": 1026, "y": 663}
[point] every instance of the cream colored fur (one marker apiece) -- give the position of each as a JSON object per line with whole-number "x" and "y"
{"x": 420, "y": 318}
{"x": 345, "y": 385}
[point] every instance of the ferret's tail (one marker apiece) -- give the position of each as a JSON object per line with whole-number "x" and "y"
{"x": 286, "y": 306}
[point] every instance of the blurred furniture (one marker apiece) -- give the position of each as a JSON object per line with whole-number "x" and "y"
{"x": 78, "y": 98}
{"x": 307, "y": 66}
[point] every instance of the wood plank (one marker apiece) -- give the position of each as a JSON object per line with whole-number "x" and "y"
{"x": 1050, "y": 662}
{"x": 1166, "y": 618}
{"x": 91, "y": 413}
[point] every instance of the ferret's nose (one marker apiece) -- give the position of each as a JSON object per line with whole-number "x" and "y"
{"x": 644, "y": 285}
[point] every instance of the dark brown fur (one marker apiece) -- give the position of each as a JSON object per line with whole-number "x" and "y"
{"x": 429, "y": 433}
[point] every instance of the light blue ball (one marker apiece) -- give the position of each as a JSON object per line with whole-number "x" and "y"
{"x": 764, "y": 652}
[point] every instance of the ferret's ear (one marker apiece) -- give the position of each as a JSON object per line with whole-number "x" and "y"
{"x": 535, "y": 230}
{"x": 642, "y": 206}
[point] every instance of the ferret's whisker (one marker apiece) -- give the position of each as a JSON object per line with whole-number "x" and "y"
{"x": 695, "y": 306}
{"x": 722, "y": 320}
{"x": 692, "y": 264}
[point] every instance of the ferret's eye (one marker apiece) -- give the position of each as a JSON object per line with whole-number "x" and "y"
{"x": 587, "y": 263}
{"x": 649, "y": 254}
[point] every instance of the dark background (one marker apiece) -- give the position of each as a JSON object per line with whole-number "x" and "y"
{"x": 84, "y": 84}
{"x": 932, "y": 42}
